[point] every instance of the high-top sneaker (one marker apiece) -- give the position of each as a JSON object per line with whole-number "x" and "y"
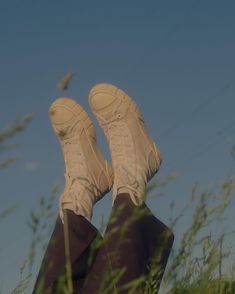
{"x": 135, "y": 156}
{"x": 88, "y": 175}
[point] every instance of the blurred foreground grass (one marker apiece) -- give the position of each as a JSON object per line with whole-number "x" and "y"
{"x": 196, "y": 264}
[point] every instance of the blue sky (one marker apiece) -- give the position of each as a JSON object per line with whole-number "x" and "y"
{"x": 175, "y": 58}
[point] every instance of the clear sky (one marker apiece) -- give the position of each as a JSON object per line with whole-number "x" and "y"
{"x": 175, "y": 58}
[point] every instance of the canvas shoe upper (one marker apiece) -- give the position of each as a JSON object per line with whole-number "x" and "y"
{"x": 88, "y": 175}
{"x": 135, "y": 156}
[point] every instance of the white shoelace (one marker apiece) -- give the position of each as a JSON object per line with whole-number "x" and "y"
{"x": 74, "y": 158}
{"x": 76, "y": 170}
{"x": 124, "y": 157}
{"x": 76, "y": 176}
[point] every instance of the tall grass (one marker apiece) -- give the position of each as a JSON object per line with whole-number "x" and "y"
{"x": 196, "y": 264}
{"x": 7, "y": 134}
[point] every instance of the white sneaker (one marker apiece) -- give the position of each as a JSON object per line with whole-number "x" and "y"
{"x": 88, "y": 175}
{"x": 135, "y": 156}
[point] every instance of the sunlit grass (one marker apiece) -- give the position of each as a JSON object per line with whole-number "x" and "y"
{"x": 195, "y": 265}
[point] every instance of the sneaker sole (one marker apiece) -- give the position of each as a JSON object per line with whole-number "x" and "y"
{"x": 60, "y": 118}
{"x": 117, "y": 93}
{"x": 77, "y": 114}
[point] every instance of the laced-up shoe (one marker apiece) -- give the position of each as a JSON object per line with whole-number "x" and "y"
{"x": 88, "y": 175}
{"x": 135, "y": 156}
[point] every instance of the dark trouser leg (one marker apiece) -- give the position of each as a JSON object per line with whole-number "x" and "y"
{"x": 135, "y": 242}
{"x": 81, "y": 233}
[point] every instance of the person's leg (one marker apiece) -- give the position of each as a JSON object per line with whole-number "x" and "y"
{"x": 53, "y": 272}
{"x": 88, "y": 177}
{"x": 136, "y": 242}
{"x": 135, "y": 250}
